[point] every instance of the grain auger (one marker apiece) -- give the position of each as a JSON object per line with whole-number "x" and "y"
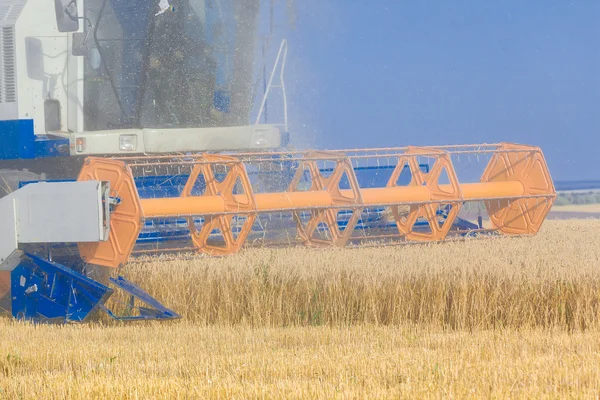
{"x": 216, "y": 204}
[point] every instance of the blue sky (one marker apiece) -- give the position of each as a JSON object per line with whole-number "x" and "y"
{"x": 394, "y": 73}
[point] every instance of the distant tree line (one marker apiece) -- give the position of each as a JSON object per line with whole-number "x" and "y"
{"x": 578, "y": 198}
{"x": 562, "y": 199}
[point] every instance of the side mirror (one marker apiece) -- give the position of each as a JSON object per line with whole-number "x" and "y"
{"x": 67, "y": 17}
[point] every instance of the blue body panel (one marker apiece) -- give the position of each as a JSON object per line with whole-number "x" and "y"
{"x": 19, "y": 142}
{"x": 46, "y": 291}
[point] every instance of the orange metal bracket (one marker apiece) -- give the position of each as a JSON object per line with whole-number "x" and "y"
{"x": 243, "y": 204}
{"x": 526, "y": 165}
{"x": 327, "y": 217}
{"x": 428, "y": 210}
{"x": 125, "y": 222}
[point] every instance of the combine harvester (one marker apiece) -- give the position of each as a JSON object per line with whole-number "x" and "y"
{"x": 183, "y": 172}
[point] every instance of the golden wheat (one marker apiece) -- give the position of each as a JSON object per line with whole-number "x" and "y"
{"x": 549, "y": 280}
{"x": 504, "y": 318}
{"x": 184, "y": 361}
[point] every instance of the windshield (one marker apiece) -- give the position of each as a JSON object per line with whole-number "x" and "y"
{"x": 189, "y": 66}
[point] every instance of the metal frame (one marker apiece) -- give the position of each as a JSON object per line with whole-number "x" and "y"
{"x": 516, "y": 188}
{"x": 280, "y": 62}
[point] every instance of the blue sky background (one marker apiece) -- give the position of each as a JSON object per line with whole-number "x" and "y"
{"x": 394, "y": 73}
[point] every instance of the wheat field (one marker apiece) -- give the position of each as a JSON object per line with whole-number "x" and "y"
{"x": 502, "y": 318}
{"x": 549, "y": 280}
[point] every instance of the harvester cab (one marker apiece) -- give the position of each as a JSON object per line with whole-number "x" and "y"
{"x": 123, "y": 77}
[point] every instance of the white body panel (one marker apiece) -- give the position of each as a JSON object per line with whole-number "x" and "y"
{"x": 53, "y": 212}
{"x": 41, "y": 63}
{"x": 10, "y": 11}
{"x": 74, "y": 118}
{"x": 150, "y": 141}
{"x": 35, "y": 60}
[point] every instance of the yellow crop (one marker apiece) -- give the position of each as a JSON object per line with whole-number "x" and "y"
{"x": 503, "y": 318}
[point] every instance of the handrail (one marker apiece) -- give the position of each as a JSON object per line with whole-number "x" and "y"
{"x": 280, "y": 62}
